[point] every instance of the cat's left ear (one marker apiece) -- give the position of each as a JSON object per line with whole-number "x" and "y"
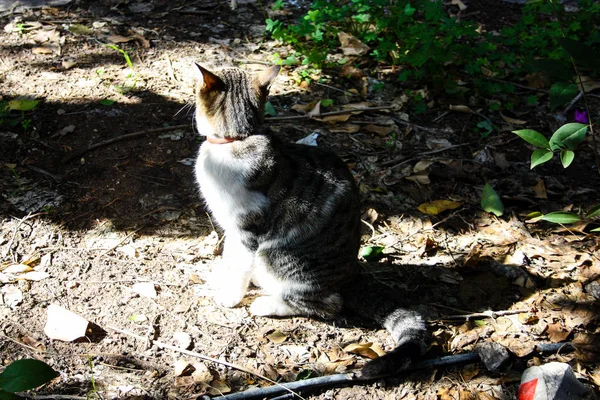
{"x": 265, "y": 78}
{"x": 209, "y": 81}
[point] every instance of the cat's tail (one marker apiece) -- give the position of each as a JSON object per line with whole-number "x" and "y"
{"x": 370, "y": 299}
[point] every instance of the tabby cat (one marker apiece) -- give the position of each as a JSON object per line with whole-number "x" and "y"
{"x": 291, "y": 216}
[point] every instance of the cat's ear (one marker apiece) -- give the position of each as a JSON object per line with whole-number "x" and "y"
{"x": 266, "y": 77}
{"x": 207, "y": 81}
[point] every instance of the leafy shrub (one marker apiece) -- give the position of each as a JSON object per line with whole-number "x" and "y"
{"x": 431, "y": 46}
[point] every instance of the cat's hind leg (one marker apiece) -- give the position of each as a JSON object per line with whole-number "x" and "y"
{"x": 325, "y": 306}
{"x": 231, "y": 279}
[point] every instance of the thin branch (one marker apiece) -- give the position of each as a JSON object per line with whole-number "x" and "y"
{"x": 125, "y": 137}
{"x": 246, "y": 61}
{"x": 396, "y": 162}
{"x": 327, "y": 114}
{"x": 12, "y": 239}
{"x": 350, "y": 378}
{"x": 485, "y": 314}
{"x": 207, "y": 358}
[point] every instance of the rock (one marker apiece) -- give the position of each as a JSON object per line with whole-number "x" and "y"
{"x": 552, "y": 381}
{"x": 494, "y": 355}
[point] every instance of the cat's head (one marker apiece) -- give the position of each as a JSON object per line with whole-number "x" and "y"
{"x": 230, "y": 103}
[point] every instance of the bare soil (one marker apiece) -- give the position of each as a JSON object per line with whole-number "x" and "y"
{"x": 99, "y": 222}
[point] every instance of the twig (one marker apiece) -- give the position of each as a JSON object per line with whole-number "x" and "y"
{"x": 207, "y": 358}
{"x": 125, "y": 137}
{"x": 396, "y": 162}
{"x": 349, "y": 378}
{"x": 327, "y": 114}
{"x": 517, "y": 85}
{"x": 58, "y": 396}
{"x": 12, "y": 239}
{"x": 399, "y": 121}
{"x": 485, "y": 314}
{"x": 572, "y": 103}
{"x": 246, "y": 61}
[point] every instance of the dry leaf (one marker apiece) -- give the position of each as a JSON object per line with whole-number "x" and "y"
{"x": 218, "y": 387}
{"x": 118, "y": 39}
{"x": 47, "y": 49}
{"x": 540, "y": 190}
{"x": 369, "y": 349}
{"x": 333, "y": 119}
{"x": 31, "y": 342}
{"x": 17, "y": 269}
{"x": 315, "y": 111}
{"x": 145, "y": 289}
{"x": 33, "y": 276}
{"x": 277, "y": 337}
{"x": 380, "y": 130}
{"x": 64, "y": 325}
{"x": 421, "y": 166}
{"x": 512, "y": 121}
{"x": 420, "y": 179}
{"x": 357, "y": 106}
{"x": 345, "y": 128}
{"x": 12, "y": 296}
{"x": 370, "y": 215}
{"x": 145, "y": 43}
{"x": 350, "y": 71}
{"x": 460, "y": 4}
{"x": 437, "y": 206}
{"x": 557, "y": 333}
{"x": 201, "y": 373}
{"x": 182, "y": 367}
{"x": 588, "y": 84}
{"x": 351, "y": 46}
{"x": 461, "y": 108}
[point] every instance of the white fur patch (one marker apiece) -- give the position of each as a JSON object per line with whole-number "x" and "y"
{"x": 204, "y": 127}
{"x": 271, "y": 306}
{"x": 222, "y": 179}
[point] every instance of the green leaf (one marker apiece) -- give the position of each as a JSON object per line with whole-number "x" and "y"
{"x": 583, "y": 54}
{"x": 561, "y": 217}
{"x": 22, "y": 104}
{"x": 26, "y": 374}
{"x": 554, "y": 68}
{"x": 540, "y": 156}
{"x": 594, "y": 212}
{"x": 107, "y": 102}
{"x": 371, "y": 253}
{"x": 533, "y": 137}
{"x": 568, "y": 136}
{"x": 566, "y": 157}
{"x": 270, "y": 110}
{"x": 326, "y": 102}
{"x": 595, "y": 230}
{"x": 79, "y": 29}
{"x": 490, "y": 201}
{"x": 409, "y": 10}
{"x": 9, "y": 396}
{"x": 561, "y": 93}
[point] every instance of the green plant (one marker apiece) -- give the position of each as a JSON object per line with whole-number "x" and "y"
{"x": 430, "y": 46}
{"x": 12, "y": 113}
{"x": 22, "y": 375}
{"x": 564, "y": 217}
{"x": 564, "y": 141}
{"x": 133, "y": 75}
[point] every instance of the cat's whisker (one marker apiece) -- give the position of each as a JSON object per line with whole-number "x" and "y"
{"x": 185, "y": 106}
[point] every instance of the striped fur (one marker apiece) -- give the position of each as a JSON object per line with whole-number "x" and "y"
{"x": 290, "y": 215}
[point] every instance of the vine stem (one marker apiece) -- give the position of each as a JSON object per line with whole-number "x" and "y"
{"x": 581, "y": 86}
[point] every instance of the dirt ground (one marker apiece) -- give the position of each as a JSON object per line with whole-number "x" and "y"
{"x": 83, "y": 228}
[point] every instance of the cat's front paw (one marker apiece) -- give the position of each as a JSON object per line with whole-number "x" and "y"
{"x": 271, "y": 306}
{"x": 228, "y": 298}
